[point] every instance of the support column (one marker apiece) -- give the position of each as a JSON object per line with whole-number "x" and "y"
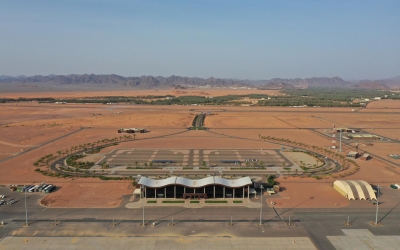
{"x": 233, "y": 196}
{"x": 243, "y": 192}
{"x": 175, "y": 192}
{"x": 165, "y": 192}
{"x": 248, "y": 192}
{"x": 155, "y": 193}
{"x": 204, "y": 190}
{"x": 145, "y": 192}
{"x": 214, "y": 191}
{"x": 184, "y": 190}
{"x": 223, "y": 195}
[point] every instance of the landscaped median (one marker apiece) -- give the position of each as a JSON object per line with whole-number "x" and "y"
{"x": 176, "y": 201}
{"x": 217, "y": 201}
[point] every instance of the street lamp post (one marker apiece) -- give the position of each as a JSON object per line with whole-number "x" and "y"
{"x": 142, "y": 203}
{"x": 377, "y": 206}
{"x": 26, "y": 212}
{"x": 261, "y": 187}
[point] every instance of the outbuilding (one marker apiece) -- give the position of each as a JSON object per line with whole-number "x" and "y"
{"x": 365, "y": 157}
{"x": 352, "y": 154}
{"x": 355, "y": 190}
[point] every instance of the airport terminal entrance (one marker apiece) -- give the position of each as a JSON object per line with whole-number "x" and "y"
{"x": 194, "y": 196}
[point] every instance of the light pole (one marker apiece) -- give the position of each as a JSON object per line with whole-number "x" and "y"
{"x": 261, "y": 187}
{"x": 26, "y": 212}
{"x": 142, "y": 203}
{"x": 377, "y": 205}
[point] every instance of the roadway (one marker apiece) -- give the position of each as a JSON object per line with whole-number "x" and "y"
{"x": 314, "y": 223}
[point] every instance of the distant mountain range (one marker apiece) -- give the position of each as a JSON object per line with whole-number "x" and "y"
{"x": 152, "y": 82}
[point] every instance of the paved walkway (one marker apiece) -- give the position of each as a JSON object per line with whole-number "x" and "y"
{"x": 155, "y": 243}
{"x": 364, "y": 239}
{"x": 202, "y": 203}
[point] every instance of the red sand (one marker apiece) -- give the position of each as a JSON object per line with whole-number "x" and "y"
{"x": 30, "y": 124}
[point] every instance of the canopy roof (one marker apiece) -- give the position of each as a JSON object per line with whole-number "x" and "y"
{"x": 211, "y": 180}
{"x": 356, "y": 190}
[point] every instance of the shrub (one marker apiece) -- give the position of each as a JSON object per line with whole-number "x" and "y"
{"x": 173, "y": 201}
{"x": 151, "y": 201}
{"x": 216, "y": 201}
{"x": 237, "y": 201}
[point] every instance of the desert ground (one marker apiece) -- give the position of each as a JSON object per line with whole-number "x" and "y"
{"x": 31, "y": 130}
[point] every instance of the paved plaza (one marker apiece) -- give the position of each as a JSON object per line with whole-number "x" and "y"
{"x": 364, "y": 239}
{"x": 156, "y": 243}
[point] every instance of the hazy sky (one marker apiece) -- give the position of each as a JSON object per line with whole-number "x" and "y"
{"x": 229, "y": 39}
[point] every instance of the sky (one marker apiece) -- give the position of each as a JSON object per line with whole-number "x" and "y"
{"x": 358, "y": 39}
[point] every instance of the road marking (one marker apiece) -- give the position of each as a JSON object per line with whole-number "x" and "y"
{"x": 44, "y": 208}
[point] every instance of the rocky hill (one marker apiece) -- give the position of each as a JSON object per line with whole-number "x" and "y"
{"x": 276, "y": 85}
{"x": 372, "y": 85}
{"x": 147, "y": 82}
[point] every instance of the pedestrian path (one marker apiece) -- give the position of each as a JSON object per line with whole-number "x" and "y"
{"x": 190, "y": 203}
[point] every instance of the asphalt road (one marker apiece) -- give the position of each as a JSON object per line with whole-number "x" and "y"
{"x": 317, "y": 223}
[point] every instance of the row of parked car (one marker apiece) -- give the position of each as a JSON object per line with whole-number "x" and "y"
{"x": 7, "y": 202}
{"x": 44, "y": 188}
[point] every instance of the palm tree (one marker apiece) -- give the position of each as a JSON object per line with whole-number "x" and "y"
{"x": 102, "y": 171}
{"x": 94, "y": 172}
{"x": 134, "y": 136}
{"x": 136, "y": 164}
{"x": 59, "y": 153}
{"x": 261, "y": 163}
{"x": 296, "y": 171}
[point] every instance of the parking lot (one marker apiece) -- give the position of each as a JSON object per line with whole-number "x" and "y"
{"x": 19, "y": 205}
{"x": 195, "y": 157}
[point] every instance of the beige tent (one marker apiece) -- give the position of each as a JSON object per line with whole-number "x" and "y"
{"x": 355, "y": 190}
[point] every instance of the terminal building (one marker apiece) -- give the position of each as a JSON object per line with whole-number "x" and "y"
{"x": 209, "y": 187}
